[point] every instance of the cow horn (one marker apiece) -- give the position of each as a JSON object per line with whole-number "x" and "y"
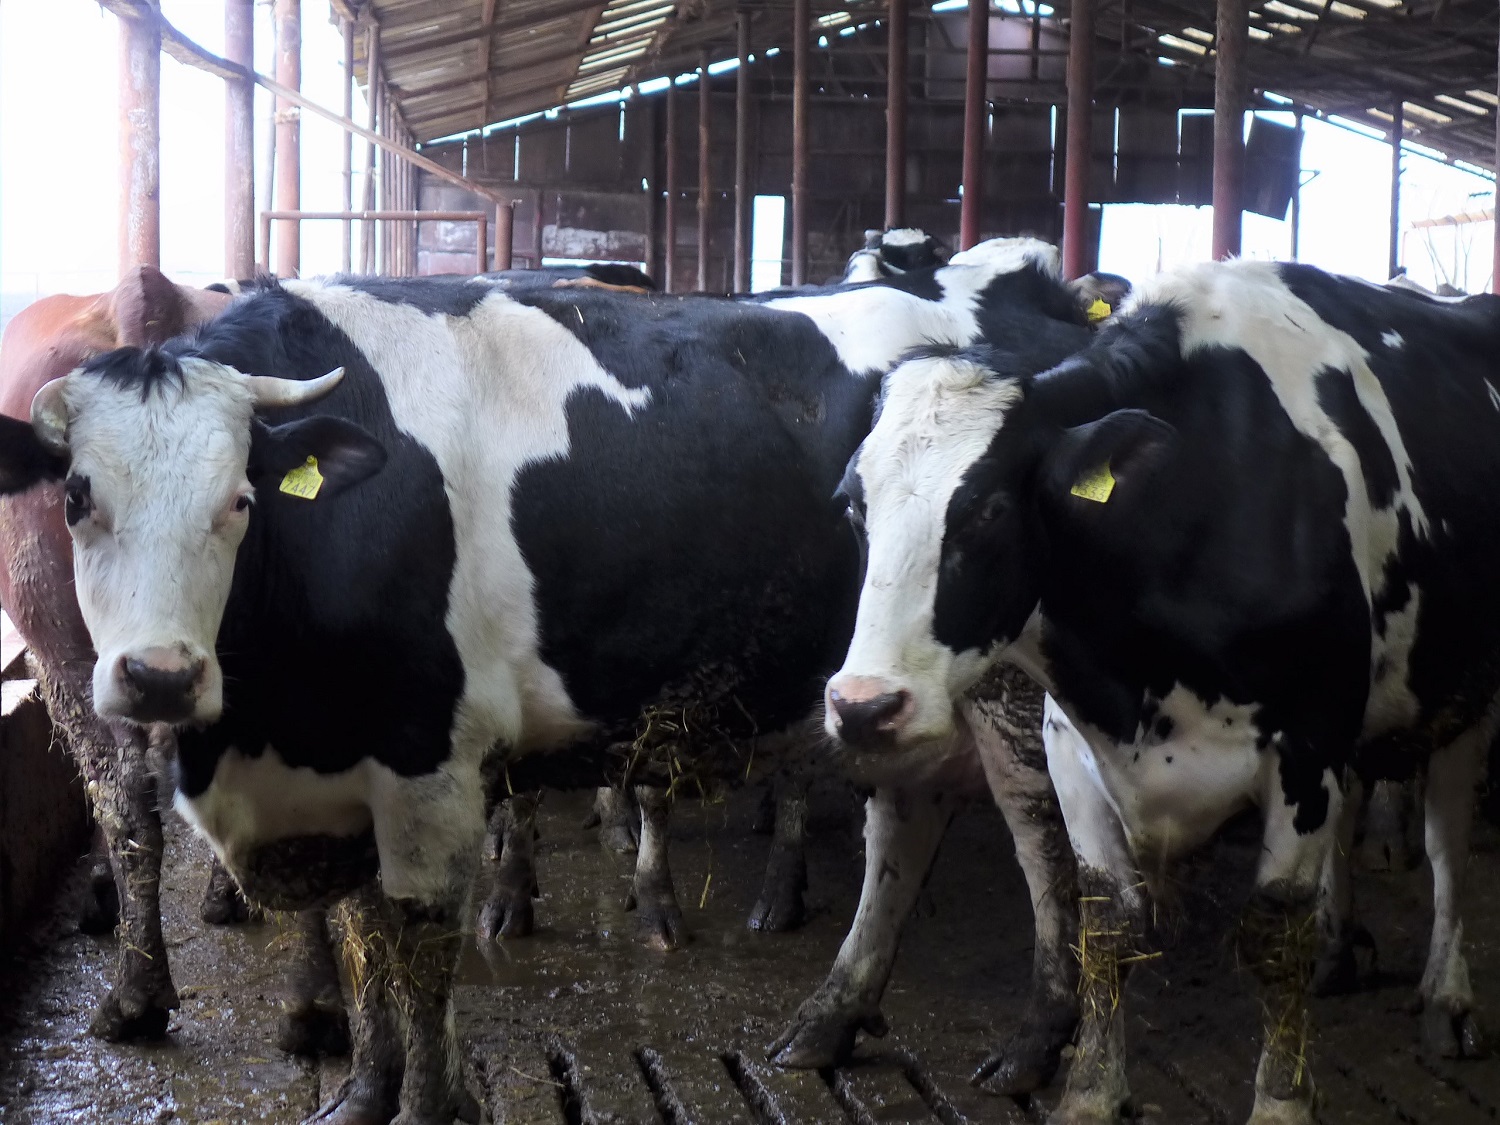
{"x": 49, "y": 415}
{"x": 270, "y": 392}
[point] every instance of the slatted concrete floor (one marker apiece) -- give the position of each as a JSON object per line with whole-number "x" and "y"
{"x": 579, "y": 1024}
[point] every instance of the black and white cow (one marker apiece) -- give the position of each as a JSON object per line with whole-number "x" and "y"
{"x": 890, "y": 253}
{"x": 1247, "y": 541}
{"x": 353, "y": 536}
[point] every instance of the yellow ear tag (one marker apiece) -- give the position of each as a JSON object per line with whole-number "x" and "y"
{"x": 304, "y": 481}
{"x": 1099, "y": 310}
{"x": 1096, "y": 486}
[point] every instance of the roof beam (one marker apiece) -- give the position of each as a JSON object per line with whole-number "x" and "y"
{"x": 558, "y": 9}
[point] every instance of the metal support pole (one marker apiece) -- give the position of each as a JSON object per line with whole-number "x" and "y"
{"x": 801, "y": 24}
{"x": 895, "y": 113}
{"x": 1495, "y": 269}
{"x": 705, "y": 169}
{"x": 1229, "y": 127}
{"x": 140, "y": 143}
{"x": 742, "y": 198}
{"x": 669, "y": 278}
{"x": 1079, "y": 143}
{"x": 1297, "y": 196}
{"x": 239, "y": 142}
{"x": 974, "y": 103}
{"x": 288, "y": 14}
{"x": 505, "y": 235}
{"x": 1398, "y": 130}
{"x": 372, "y": 123}
{"x": 347, "y": 27}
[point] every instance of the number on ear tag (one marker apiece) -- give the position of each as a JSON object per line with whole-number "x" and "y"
{"x": 1096, "y": 485}
{"x": 304, "y": 481}
{"x": 1099, "y": 310}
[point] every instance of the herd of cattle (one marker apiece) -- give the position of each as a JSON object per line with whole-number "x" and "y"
{"x": 366, "y": 562}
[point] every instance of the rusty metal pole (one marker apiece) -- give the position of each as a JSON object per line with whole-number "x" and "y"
{"x": 505, "y": 235}
{"x": 289, "y": 135}
{"x": 239, "y": 142}
{"x": 372, "y": 123}
{"x": 801, "y": 22}
{"x": 1398, "y": 130}
{"x": 347, "y": 27}
{"x": 1229, "y": 127}
{"x": 974, "y": 102}
{"x": 895, "y": 113}
{"x": 705, "y": 170}
{"x": 1080, "y": 142}
{"x": 742, "y": 197}
{"x": 669, "y": 237}
{"x": 140, "y": 142}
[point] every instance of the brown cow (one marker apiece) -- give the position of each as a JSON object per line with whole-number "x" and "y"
{"x": 45, "y": 340}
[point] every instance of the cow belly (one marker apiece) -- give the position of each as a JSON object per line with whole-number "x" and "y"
{"x": 256, "y": 801}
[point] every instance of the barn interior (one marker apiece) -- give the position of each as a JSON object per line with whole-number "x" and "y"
{"x": 512, "y": 133}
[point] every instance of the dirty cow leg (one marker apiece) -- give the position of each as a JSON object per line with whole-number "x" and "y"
{"x": 99, "y": 912}
{"x": 223, "y": 905}
{"x": 313, "y": 1020}
{"x": 658, "y": 918}
{"x": 1348, "y": 950}
{"x": 507, "y": 911}
{"x": 1008, "y": 732}
{"x": 780, "y": 907}
{"x": 1450, "y": 1027}
{"x": 902, "y": 831}
{"x": 1112, "y": 921}
{"x": 617, "y": 819}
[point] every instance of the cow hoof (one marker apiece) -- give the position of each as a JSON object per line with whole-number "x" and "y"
{"x": 618, "y": 838}
{"x": 1024, "y": 1065}
{"x": 117, "y": 1022}
{"x": 1091, "y": 1111}
{"x": 354, "y": 1104}
{"x": 822, "y": 1038}
{"x": 780, "y": 907}
{"x": 223, "y": 905}
{"x": 1447, "y": 1034}
{"x": 467, "y": 1112}
{"x": 1281, "y": 1111}
{"x": 1346, "y": 965}
{"x": 100, "y": 910}
{"x": 508, "y": 913}
{"x": 313, "y": 1032}
{"x": 658, "y": 918}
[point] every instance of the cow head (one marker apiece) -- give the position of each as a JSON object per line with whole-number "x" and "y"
{"x": 161, "y": 457}
{"x": 968, "y": 479}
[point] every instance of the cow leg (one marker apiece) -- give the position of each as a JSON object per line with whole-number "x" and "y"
{"x": 780, "y": 907}
{"x": 658, "y": 918}
{"x": 617, "y": 819}
{"x": 371, "y": 1093}
{"x": 1391, "y": 819}
{"x": 902, "y": 833}
{"x": 1015, "y": 764}
{"x": 1345, "y": 943}
{"x": 1278, "y": 940}
{"x": 507, "y": 912}
{"x": 1113, "y": 916}
{"x": 223, "y": 905}
{"x": 1450, "y": 1028}
{"x": 313, "y": 1020}
{"x": 100, "y": 911}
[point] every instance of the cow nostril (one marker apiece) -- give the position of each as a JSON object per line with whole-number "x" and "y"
{"x": 861, "y": 719}
{"x": 159, "y": 691}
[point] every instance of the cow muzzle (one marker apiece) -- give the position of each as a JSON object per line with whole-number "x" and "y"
{"x": 161, "y": 685}
{"x": 868, "y": 712}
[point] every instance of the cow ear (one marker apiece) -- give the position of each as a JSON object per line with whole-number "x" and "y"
{"x": 24, "y": 459}
{"x": 1103, "y": 466}
{"x": 313, "y": 458}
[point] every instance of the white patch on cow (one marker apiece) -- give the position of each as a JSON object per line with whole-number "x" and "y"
{"x": 1392, "y": 339}
{"x": 864, "y": 265}
{"x": 903, "y": 236}
{"x": 937, "y": 419}
{"x": 195, "y": 436}
{"x": 1246, "y": 305}
{"x": 872, "y": 328}
{"x": 1494, "y": 394}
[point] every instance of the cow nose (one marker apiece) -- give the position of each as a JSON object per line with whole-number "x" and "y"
{"x": 162, "y": 685}
{"x": 862, "y": 720}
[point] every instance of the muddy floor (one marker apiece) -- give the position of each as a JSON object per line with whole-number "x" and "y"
{"x": 579, "y": 1023}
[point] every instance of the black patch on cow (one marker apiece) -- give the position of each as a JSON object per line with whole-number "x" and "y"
{"x": 454, "y": 295}
{"x": 1340, "y": 401}
{"x": 1163, "y": 728}
{"x": 24, "y": 460}
{"x": 146, "y": 370}
{"x": 334, "y": 645}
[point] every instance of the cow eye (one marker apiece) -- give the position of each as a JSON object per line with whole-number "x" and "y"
{"x": 993, "y": 509}
{"x": 77, "y": 499}
{"x": 242, "y": 502}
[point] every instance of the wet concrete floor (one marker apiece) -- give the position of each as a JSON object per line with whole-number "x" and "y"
{"x": 581, "y": 1024}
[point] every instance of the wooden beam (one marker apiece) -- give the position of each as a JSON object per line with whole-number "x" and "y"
{"x": 556, "y": 9}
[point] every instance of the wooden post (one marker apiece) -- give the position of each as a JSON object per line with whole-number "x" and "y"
{"x": 895, "y": 113}
{"x": 742, "y": 194}
{"x": 669, "y": 238}
{"x": 1398, "y": 130}
{"x": 975, "y": 76}
{"x": 288, "y": 15}
{"x": 801, "y": 24}
{"x": 347, "y": 27}
{"x": 705, "y": 170}
{"x": 1229, "y": 127}
{"x": 239, "y": 142}
{"x": 140, "y": 143}
{"x": 1080, "y": 143}
{"x": 372, "y": 123}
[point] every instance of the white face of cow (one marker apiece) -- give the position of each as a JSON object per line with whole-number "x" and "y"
{"x": 938, "y": 418}
{"x": 158, "y": 499}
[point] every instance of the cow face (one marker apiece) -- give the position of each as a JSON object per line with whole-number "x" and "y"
{"x": 163, "y": 459}
{"x": 964, "y": 484}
